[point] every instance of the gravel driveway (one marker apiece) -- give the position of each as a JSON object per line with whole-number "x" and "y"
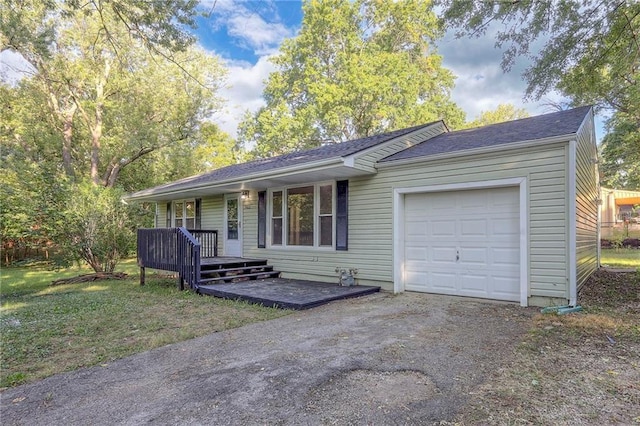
{"x": 383, "y": 359}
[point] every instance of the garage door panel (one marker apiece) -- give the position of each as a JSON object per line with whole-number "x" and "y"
{"x": 473, "y": 285}
{"x": 442, "y": 281}
{"x": 442, "y": 228}
{"x": 505, "y": 227}
{"x": 475, "y": 227}
{"x": 503, "y": 289}
{"x": 442, "y": 254}
{"x": 472, "y": 243}
{"x": 471, "y": 201}
{"x": 479, "y": 255}
{"x": 417, "y": 253}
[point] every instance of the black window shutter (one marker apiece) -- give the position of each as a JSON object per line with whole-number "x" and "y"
{"x": 198, "y": 213}
{"x": 262, "y": 219}
{"x": 342, "y": 215}
{"x": 168, "y": 214}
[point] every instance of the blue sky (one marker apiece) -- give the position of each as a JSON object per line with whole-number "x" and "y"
{"x": 246, "y": 33}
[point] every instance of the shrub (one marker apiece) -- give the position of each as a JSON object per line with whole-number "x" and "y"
{"x": 98, "y": 227}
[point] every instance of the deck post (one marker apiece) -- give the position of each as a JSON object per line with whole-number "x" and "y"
{"x": 142, "y": 275}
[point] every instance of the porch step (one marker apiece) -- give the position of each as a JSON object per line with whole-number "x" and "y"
{"x": 228, "y": 265}
{"x": 268, "y": 273}
{"x": 237, "y": 270}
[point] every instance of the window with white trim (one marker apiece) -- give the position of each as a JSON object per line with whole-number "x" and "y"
{"x": 302, "y": 216}
{"x": 184, "y": 212}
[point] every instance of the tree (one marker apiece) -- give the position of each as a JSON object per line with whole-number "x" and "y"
{"x": 620, "y": 152}
{"x": 32, "y": 187}
{"x": 356, "y": 68}
{"x": 592, "y": 39}
{"x": 98, "y": 228}
{"x": 113, "y": 102}
{"x": 502, "y": 113}
{"x": 589, "y": 50}
{"x": 108, "y": 93}
{"x": 30, "y": 26}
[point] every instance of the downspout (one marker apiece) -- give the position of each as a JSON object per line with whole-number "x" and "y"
{"x": 573, "y": 284}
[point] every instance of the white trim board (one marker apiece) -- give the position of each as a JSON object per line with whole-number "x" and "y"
{"x": 571, "y": 184}
{"x": 398, "y": 226}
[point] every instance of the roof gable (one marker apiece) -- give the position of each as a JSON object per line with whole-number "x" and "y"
{"x": 527, "y": 129}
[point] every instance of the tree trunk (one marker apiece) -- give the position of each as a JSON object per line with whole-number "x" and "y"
{"x": 67, "y": 141}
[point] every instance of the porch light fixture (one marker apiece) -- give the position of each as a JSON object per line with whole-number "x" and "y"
{"x": 244, "y": 195}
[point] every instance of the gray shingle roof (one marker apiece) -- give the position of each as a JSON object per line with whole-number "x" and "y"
{"x": 326, "y": 152}
{"x": 526, "y": 129}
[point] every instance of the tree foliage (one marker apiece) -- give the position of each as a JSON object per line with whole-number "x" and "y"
{"x": 620, "y": 152}
{"x": 97, "y": 227}
{"x": 356, "y": 68}
{"x": 30, "y": 26}
{"x": 590, "y": 38}
{"x": 116, "y": 96}
{"x": 589, "y": 50}
{"x": 502, "y": 113}
{"x": 115, "y": 103}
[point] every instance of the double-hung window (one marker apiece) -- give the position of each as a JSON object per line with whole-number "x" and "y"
{"x": 185, "y": 214}
{"x": 302, "y": 216}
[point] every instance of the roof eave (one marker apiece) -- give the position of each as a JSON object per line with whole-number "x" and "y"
{"x": 475, "y": 151}
{"x": 244, "y": 181}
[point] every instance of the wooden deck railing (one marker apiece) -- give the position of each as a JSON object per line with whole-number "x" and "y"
{"x": 175, "y": 249}
{"x": 208, "y": 241}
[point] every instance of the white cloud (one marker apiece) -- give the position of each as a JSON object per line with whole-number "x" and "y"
{"x": 247, "y": 26}
{"x": 262, "y": 37}
{"x": 481, "y": 85}
{"x": 244, "y": 91}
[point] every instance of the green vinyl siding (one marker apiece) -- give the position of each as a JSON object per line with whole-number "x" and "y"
{"x": 162, "y": 215}
{"x": 587, "y": 193}
{"x": 371, "y": 218}
{"x": 213, "y": 214}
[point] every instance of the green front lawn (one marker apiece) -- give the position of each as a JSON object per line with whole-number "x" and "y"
{"x": 620, "y": 258}
{"x": 46, "y": 330}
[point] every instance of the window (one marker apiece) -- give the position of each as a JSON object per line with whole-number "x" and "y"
{"x": 325, "y": 218}
{"x": 302, "y": 216}
{"x": 276, "y": 218}
{"x": 185, "y": 214}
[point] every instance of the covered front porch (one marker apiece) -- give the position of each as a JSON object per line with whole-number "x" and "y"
{"x": 193, "y": 255}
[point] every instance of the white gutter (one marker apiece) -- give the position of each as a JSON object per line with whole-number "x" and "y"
{"x": 573, "y": 279}
{"x": 476, "y": 151}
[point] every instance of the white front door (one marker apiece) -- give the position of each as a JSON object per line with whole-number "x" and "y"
{"x": 233, "y": 225}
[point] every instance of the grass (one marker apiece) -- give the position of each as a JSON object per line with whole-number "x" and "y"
{"x": 45, "y": 330}
{"x": 579, "y": 368}
{"x": 620, "y": 258}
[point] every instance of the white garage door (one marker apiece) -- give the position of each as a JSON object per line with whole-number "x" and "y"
{"x": 463, "y": 243}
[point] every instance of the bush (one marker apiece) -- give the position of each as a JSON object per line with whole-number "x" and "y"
{"x": 98, "y": 227}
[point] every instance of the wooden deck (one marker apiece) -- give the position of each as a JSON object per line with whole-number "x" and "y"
{"x": 285, "y": 293}
{"x": 194, "y": 256}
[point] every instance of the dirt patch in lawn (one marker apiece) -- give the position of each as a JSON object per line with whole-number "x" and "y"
{"x": 582, "y": 368}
